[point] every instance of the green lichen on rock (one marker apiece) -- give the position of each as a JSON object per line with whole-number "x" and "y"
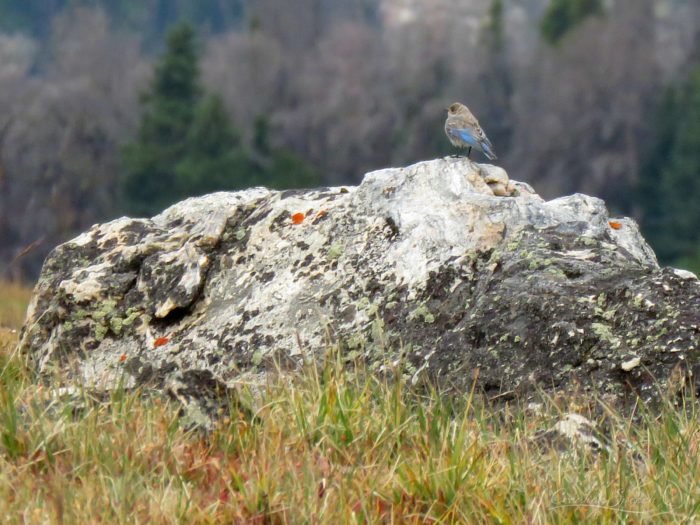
{"x": 356, "y": 341}
{"x": 335, "y": 251}
{"x": 422, "y": 312}
{"x": 104, "y": 309}
{"x": 79, "y": 314}
{"x": 604, "y": 332}
{"x": 107, "y": 318}
{"x": 131, "y": 315}
{"x": 363, "y": 303}
{"x": 116, "y": 324}
{"x": 100, "y": 331}
{"x": 377, "y": 329}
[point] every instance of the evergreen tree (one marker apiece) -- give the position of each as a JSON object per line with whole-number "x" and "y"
{"x": 162, "y": 142}
{"x": 215, "y": 158}
{"x": 278, "y": 168}
{"x": 496, "y": 80}
{"x": 669, "y": 188}
{"x": 187, "y": 146}
{"x": 495, "y": 26}
{"x": 564, "y": 15}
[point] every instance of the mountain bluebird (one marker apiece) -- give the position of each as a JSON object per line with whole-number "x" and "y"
{"x": 464, "y": 131}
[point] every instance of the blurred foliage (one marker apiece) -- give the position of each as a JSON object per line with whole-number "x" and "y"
{"x": 150, "y": 18}
{"x": 348, "y": 86}
{"x": 212, "y": 154}
{"x": 277, "y": 168}
{"x": 495, "y": 25}
{"x": 669, "y": 188}
{"x": 162, "y": 143}
{"x": 32, "y": 16}
{"x": 187, "y": 145}
{"x": 691, "y": 262}
{"x": 563, "y": 15}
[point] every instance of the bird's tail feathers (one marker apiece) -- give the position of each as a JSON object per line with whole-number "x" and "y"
{"x": 487, "y": 148}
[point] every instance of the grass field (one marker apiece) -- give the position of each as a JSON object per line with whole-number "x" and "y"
{"x": 13, "y": 304}
{"x": 329, "y": 447}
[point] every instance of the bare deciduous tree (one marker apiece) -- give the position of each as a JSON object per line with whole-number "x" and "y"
{"x": 351, "y": 86}
{"x": 579, "y": 107}
{"x": 62, "y": 151}
{"x": 248, "y": 70}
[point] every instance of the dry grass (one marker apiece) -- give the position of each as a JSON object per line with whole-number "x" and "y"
{"x": 13, "y": 304}
{"x": 329, "y": 447}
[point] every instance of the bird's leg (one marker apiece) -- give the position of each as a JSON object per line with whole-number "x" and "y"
{"x": 469, "y": 152}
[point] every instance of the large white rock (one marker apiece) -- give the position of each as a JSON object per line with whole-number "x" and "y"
{"x": 423, "y": 262}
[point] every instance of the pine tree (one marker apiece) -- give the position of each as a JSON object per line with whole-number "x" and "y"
{"x": 564, "y": 15}
{"x": 215, "y": 159}
{"x": 278, "y": 168}
{"x": 162, "y": 142}
{"x": 496, "y": 27}
{"x": 187, "y": 146}
{"x": 497, "y": 78}
{"x": 669, "y": 189}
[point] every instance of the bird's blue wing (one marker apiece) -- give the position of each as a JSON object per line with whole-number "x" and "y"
{"x": 466, "y": 136}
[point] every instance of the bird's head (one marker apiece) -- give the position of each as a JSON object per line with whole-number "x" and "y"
{"x": 456, "y": 109}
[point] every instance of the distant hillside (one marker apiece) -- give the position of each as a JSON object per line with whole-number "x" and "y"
{"x": 151, "y": 18}
{"x": 148, "y": 17}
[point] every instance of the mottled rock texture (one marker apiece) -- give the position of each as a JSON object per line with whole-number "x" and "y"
{"x": 447, "y": 265}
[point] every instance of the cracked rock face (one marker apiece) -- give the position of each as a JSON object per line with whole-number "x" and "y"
{"x": 446, "y": 264}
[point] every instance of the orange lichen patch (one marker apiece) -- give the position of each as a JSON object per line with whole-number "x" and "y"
{"x": 161, "y": 341}
{"x": 122, "y": 358}
{"x": 615, "y": 225}
{"x": 298, "y": 218}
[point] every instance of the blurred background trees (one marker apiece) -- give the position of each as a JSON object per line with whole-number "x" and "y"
{"x": 113, "y": 107}
{"x": 562, "y": 16}
{"x": 164, "y": 140}
{"x": 669, "y": 186}
{"x": 186, "y": 144}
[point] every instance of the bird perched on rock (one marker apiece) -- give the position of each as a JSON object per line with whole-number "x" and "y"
{"x": 464, "y": 131}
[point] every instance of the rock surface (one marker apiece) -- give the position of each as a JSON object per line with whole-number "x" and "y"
{"x": 434, "y": 264}
{"x": 574, "y": 432}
